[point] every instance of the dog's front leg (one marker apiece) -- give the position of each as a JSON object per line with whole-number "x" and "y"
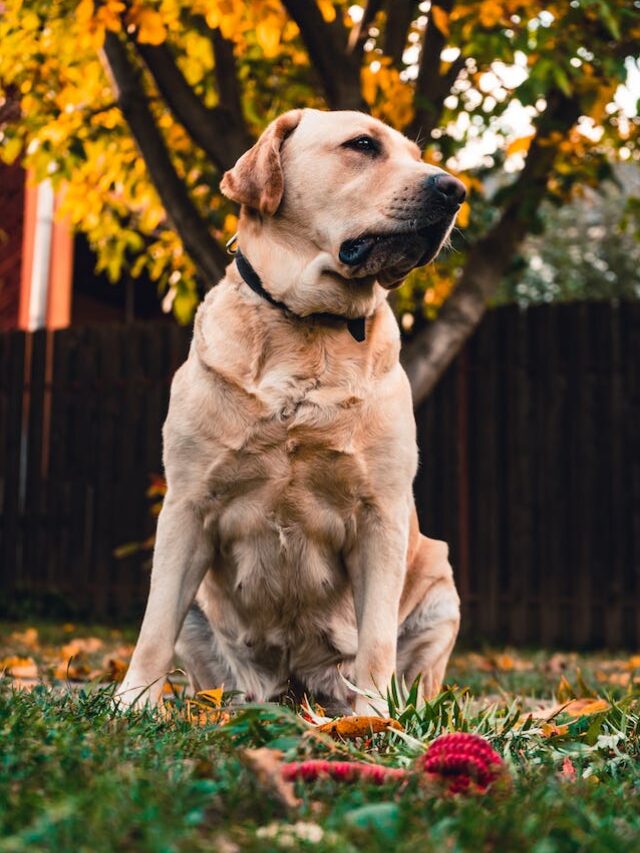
{"x": 182, "y": 555}
{"x": 377, "y": 568}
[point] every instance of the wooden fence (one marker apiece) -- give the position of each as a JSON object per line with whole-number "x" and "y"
{"x": 530, "y": 468}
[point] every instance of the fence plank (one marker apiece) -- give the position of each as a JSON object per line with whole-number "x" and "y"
{"x": 10, "y": 553}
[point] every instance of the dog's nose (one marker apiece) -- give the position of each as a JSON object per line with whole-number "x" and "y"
{"x": 451, "y": 188}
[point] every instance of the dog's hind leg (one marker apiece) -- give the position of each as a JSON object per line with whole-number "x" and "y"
{"x": 198, "y": 652}
{"x": 430, "y": 618}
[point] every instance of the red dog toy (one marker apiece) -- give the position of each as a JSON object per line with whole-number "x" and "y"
{"x": 462, "y": 762}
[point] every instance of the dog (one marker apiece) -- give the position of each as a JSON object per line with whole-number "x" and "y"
{"x": 288, "y": 549}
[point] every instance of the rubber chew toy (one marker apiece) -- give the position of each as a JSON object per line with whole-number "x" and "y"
{"x": 462, "y": 763}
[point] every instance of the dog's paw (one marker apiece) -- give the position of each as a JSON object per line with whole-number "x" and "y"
{"x": 134, "y": 693}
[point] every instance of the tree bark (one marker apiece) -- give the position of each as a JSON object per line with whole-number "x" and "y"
{"x": 400, "y": 14}
{"x": 218, "y": 131}
{"x": 338, "y": 70}
{"x": 208, "y": 256}
{"x": 431, "y": 87}
{"x": 427, "y": 356}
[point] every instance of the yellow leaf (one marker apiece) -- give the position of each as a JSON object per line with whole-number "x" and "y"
{"x": 268, "y": 36}
{"x": 440, "y": 20}
{"x": 520, "y": 145}
{"x": 564, "y": 690}
{"x": 213, "y": 697}
{"x": 586, "y": 707}
{"x": 464, "y": 214}
{"x": 149, "y": 23}
{"x": 84, "y": 12}
{"x": 328, "y": 10}
{"x": 19, "y": 667}
{"x": 551, "y": 730}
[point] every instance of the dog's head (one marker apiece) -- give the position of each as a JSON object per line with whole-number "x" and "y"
{"x": 352, "y": 187}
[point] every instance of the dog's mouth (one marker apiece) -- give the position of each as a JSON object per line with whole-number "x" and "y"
{"x": 392, "y": 255}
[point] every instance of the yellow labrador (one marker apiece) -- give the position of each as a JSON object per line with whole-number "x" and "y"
{"x": 288, "y": 549}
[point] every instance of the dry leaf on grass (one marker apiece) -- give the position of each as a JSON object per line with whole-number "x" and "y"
{"x": 207, "y": 707}
{"x": 266, "y": 766}
{"x": 28, "y": 637}
{"x": 81, "y": 645}
{"x": 75, "y": 668}
{"x": 350, "y": 728}
{"x": 586, "y": 707}
{"x": 19, "y": 667}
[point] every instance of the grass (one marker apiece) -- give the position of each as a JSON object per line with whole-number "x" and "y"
{"x": 75, "y": 776}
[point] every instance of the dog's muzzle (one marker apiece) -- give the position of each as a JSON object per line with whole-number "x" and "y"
{"x": 439, "y": 199}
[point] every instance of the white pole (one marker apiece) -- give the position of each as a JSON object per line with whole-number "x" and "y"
{"x": 43, "y": 234}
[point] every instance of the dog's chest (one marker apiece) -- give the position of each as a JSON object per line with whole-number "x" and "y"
{"x": 287, "y": 498}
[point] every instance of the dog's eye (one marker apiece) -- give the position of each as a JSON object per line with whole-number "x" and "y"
{"x": 365, "y": 144}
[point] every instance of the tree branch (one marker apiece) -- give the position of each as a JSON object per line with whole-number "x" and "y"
{"x": 326, "y": 44}
{"x": 400, "y": 14}
{"x": 428, "y": 355}
{"x": 229, "y": 94}
{"x": 208, "y": 256}
{"x": 360, "y": 31}
{"x": 216, "y": 130}
{"x": 431, "y": 87}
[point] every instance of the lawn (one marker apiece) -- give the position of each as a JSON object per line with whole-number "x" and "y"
{"x": 76, "y": 776}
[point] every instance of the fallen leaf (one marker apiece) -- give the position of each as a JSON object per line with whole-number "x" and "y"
{"x": 19, "y": 667}
{"x": 551, "y": 730}
{"x": 585, "y": 707}
{"x": 28, "y": 637}
{"x": 266, "y": 766}
{"x": 75, "y": 668}
{"x": 350, "y": 728}
{"x": 81, "y": 645}
{"x": 114, "y": 670}
{"x": 564, "y": 690}
{"x": 212, "y": 697}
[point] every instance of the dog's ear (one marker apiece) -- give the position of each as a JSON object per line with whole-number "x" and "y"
{"x": 257, "y": 179}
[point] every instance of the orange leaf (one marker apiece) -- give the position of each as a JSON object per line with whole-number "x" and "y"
{"x": 81, "y": 645}
{"x": 551, "y": 730}
{"x": 151, "y": 28}
{"x": 19, "y": 667}
{"x": 28, "y": 637}
{"x": 353, "y": 727}
{"x": 212, "y": 697}
{"x": 585, "y": 707}
{"x": 520, "y": 145}
{"x": 440, "y": 20}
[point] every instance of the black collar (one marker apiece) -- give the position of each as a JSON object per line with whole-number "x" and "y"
{"x": 356, "y": 327}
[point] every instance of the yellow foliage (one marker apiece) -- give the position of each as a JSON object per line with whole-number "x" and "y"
{"x": 328, "y": 10}
{"x": 150, "y": 28}
{"x": 268, "y": 34}
{"x": 389, "y": 97}
{"x": 520, "y": 145}
{"x": 490, "y": 12}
